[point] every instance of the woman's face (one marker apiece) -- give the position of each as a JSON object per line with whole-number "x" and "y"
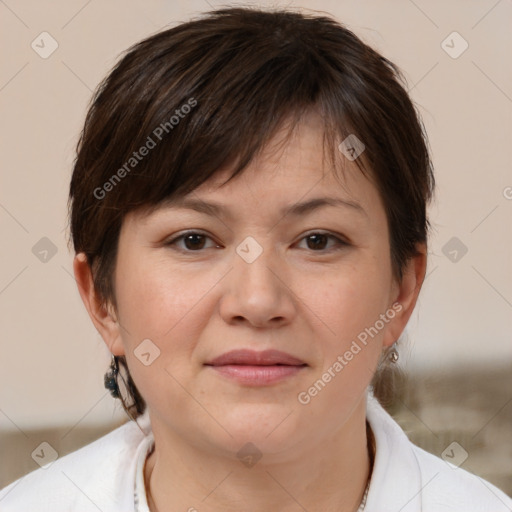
{"x": 285, "y": 259}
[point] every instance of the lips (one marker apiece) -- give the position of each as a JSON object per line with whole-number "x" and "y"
{"x": 254, "y": 358}
{"x": 256, "y": 369}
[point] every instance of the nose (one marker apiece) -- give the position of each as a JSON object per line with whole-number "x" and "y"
{"x": 259, "y": 292}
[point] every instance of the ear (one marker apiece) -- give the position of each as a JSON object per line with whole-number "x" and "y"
{"x": 405, "y": 294}
{"x": 104, "y": 320}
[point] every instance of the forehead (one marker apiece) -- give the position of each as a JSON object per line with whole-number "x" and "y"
{"x": 294, "y": 166}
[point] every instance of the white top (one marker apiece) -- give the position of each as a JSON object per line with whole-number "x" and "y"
{"x": 107, "y": 475}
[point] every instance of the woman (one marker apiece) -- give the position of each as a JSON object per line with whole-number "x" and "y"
{"x": 215, "y": 158}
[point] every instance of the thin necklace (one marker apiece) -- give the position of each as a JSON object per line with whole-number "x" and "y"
{"x": 370, "y": 442}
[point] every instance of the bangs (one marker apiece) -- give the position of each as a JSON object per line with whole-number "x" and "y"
{"x": 192, "y": 109}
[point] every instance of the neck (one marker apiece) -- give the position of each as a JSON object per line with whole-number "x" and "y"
{"x": 328, "y": 477}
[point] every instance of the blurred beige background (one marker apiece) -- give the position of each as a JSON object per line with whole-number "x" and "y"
{"x": 53, "y": 360}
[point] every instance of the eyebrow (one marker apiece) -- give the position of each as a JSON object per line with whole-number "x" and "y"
{"x": 295, "y": 210}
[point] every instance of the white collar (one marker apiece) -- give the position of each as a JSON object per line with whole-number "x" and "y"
{"x": 143, "y": 450}
{"x": 396, "y": 482}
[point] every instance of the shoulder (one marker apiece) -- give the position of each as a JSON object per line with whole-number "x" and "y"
{"x": 449, "y": 487}
{"x": 407, "y": 478}
{"x": 101, "y": 474}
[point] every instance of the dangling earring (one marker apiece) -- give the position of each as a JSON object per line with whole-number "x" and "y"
{"x": 110, "y": 379}
{"x": 393, "y": 355}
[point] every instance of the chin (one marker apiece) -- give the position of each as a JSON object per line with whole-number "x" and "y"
{"x": 268, "y": 426}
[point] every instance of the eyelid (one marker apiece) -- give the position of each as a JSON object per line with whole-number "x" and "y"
{"x": 339, "y": 236}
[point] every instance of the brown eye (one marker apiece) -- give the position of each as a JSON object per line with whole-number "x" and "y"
{"x": 194, "y": 241}
{"x": 319, "y": 242}
{"x": 191, "y": 241}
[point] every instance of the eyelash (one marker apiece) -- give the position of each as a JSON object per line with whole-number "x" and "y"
{"x": 340, "y": 244}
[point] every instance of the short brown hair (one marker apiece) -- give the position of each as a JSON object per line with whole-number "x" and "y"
{"x": 211, "y": 93}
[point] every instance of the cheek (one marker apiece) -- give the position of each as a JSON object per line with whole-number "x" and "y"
{"x": 349, "y": 338}
{"x": 154, "y": 298}
{"x": 158, "y": 303}
{"x": 172, "y": 308}
{"x": 349, "y": 301}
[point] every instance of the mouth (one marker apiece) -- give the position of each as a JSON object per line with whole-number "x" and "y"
{"x": 254, "y": 368}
